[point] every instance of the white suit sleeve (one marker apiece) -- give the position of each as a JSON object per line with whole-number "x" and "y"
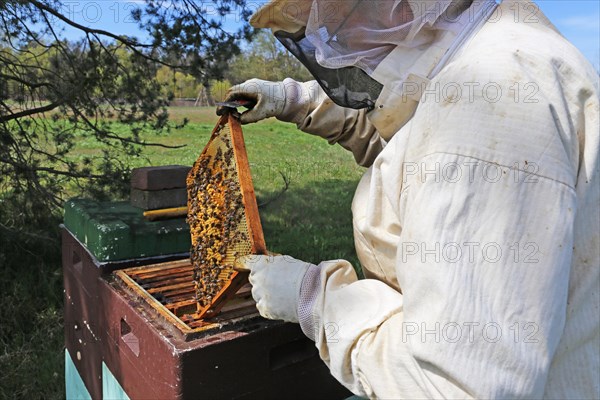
{"x": 486, "y": 205}
{"x": 313, "y": 112}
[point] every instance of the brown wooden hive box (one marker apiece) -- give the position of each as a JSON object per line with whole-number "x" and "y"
{"x": 83, "y": 319}
{"x": 238, "y": 355}
{"x": 247, "y": 358}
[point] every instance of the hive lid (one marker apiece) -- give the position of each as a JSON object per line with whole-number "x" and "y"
{"x": 159, "y": 177}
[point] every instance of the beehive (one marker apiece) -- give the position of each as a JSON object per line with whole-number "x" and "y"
{"x": 222, "y": 215}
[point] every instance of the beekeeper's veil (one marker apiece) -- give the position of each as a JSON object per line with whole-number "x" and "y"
{"x": 374, "y": 54}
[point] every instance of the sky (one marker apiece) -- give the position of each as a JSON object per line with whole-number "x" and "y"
{"x": 577, "y": 20}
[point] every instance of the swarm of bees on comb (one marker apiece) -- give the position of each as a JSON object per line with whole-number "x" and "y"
{"x": 215, "y": 211}
{"x": 217, "y": 215}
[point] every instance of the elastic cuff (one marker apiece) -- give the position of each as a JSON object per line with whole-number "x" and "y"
{"x": 308, "y": 295}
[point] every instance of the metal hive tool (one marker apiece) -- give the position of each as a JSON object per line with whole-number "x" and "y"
{"x": 223, "y": 217}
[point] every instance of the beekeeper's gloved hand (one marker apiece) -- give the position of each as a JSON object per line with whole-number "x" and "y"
{"x": 287, "y": 101}
{"x": 276, "y": 282}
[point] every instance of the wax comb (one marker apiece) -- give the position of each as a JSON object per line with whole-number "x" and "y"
{"x": 222, "y": 215}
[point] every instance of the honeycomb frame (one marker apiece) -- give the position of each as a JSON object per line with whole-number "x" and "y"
{"x": 222, "y": 215}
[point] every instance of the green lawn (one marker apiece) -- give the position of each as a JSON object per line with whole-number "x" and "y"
{"x": 310, "y": 221}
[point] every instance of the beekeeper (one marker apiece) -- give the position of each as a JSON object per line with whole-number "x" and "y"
{"x": 477, "y": 221}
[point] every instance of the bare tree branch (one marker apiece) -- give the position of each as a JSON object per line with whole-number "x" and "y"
{"x": 83, "y": 28}
{"x": 31, "y": 111}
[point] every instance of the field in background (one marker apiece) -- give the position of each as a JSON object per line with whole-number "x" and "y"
{"x": 311, "y": 220}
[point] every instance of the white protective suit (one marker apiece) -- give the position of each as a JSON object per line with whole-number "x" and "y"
{"x": 477, "y": 225}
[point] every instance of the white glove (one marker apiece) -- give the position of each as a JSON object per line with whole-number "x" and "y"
{"x": 268, "y": 99}
{"x": 288, "y": 101}
{"x": 276, "y": 283}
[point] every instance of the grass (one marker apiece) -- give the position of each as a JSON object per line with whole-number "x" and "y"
{"x": 311, "y": 220}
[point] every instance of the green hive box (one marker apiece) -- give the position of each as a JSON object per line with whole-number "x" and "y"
{"x": 118, "y": 231}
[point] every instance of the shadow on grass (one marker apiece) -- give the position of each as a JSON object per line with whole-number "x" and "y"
{"x": 312, "y": 221}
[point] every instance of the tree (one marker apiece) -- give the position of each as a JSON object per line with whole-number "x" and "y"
{"x": 177, "y": 84}
{"x": 54, "y": 92}
{"x": 265, "y": 58}
{"x": 218, "y": 89}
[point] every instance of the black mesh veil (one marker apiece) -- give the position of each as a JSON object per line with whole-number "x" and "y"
{"x": 348, "y": 87}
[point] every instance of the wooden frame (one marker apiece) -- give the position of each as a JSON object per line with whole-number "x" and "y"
{"x": 237, "y": 279}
